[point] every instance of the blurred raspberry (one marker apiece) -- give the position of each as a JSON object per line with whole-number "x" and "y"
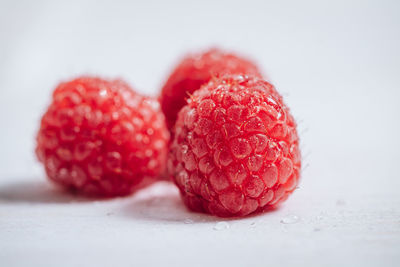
{"x": 101, "y": 138}
{"x": 235, "y": 149}
{"x": 196, "y": 70}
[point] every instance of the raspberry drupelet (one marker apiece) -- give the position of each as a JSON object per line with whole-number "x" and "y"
{"x": 235, "y": 149}
{"x": 100, "y": 138}
{"x": 195, "y": 70}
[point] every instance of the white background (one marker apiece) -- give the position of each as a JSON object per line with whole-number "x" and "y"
{"x": 338, "y": 65}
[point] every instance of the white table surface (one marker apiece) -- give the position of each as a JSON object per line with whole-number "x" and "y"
{"x": 337, "y": 64}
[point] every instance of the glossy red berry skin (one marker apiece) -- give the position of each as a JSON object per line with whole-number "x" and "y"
{"x": 100, "y": 138}
{"x": 195, "y": 70}
{"x": 235, "y": 149}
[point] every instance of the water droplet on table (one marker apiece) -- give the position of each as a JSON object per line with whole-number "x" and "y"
{"x": 290, "y": 219}
{"x": 188, "y": 221}
{"x": 221, "y": 226}
{"x": 253, "y": 224}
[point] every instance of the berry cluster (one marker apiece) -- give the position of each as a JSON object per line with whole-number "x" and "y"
{"x": 234, "y": 149}
{"x": 101, "y": 138}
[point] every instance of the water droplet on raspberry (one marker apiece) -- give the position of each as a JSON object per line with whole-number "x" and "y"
{"x": 103, "y": 93}
{"x": 281, "y": 115}
{"x": 272, "y": 101}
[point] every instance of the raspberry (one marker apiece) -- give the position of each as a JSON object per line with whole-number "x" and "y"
{"x": 100, "y": 138}
{"x": 235, "y": 149}
{"x": 196, "y": 70}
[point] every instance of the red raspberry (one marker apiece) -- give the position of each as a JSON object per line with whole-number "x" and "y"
{"x": 235, "y": 149}
{"x": 196, "y": 70}
{"x": 101, "y": 138}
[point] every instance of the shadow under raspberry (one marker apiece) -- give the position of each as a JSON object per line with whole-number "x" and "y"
{"x": 161, "y": 202}
{"x": 37, "y": 191}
